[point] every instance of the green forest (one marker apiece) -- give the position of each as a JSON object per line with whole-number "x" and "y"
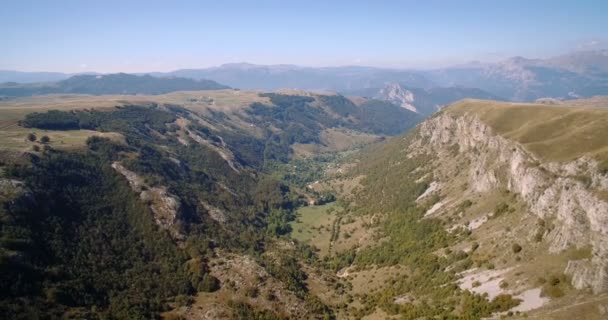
{"x": 80, "y": 241}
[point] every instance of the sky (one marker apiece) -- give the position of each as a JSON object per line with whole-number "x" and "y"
{"x": 145, "y": 36}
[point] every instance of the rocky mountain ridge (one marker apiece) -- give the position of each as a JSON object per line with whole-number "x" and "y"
{"x": 551, "y": 191}
{"x": 422, "y": 101}
{"x": 569, "y": 76}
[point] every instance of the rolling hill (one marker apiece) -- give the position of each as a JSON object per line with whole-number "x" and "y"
{"x": 120, "y": 83}
{"x": 296, "y": 204}
{"x": 196, "y": 188}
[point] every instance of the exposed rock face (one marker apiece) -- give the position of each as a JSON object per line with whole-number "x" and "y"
{"x": 164, "y": 206}
{"x": 394, "y": 93}
{"x": 135, "y": 181}
{"x": 213, "y": 212}
{"x": 551, "y": 191}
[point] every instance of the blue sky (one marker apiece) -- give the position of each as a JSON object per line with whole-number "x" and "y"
{"x": 139, "y": 36}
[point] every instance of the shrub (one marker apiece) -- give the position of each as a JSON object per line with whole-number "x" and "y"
{"x": 552, "y": 291}
{"x": 252, "y": 292}
{"x": 464, "y": 205}
{"x": 209, "y": 283}
{"x": 270, "y": 296}
{"x": 504, "y": 302}
{"x": 474, "y": 246}
{"x": 183, "y": 300}
{"x": 45, "y": 139}
{"x": 516, "y": 248}
{"x": 585, "y": 180}
{"x": 554, "y": 280}
{"x": 31, "y": 137}
{"x": 501, "y": 208}
{"x": 603, "y": 167}
{"x": 504, "y": 284}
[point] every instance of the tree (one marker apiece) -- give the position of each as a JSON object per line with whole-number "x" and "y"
{"x": 45, "y": 139}
{"x": 31, "y": 137}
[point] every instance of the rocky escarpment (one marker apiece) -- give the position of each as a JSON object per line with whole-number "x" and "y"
{"x": 164, "y": 206}
{"x": 563, "y": 193}
{"x": 393, "y": 92}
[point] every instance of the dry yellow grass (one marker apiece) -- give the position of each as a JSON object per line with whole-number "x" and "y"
{"x": 553, "y": 133}
{"x": 314, "y": 225}
{"x": 15, "y": 138}
{"x": 218, "y": 100}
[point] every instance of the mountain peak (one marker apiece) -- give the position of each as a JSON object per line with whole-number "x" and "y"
{"x": 393, "y": 92}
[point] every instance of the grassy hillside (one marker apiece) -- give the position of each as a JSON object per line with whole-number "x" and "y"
{"x": 186, "y": 182}
{"x": 315, "y": 122}
{"x": 232, "y": 208}
{"x": 413, "y": 235}
{"x": 554, "y": 133}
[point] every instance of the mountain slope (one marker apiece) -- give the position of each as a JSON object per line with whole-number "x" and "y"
{"x": 504, "y": 200}
{"x": 31, "y": 77}
{"x": 120, "y": 83}
{"x": 158, "y": 201}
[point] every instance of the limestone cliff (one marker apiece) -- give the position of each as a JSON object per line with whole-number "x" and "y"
{"x": 164, "y": 206}
{"x": 566, "y": 193}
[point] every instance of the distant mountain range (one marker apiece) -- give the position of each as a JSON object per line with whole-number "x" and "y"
{"x": 260, "y": 77}
{"x": 420, "y": 100}
{"x": 32, "y": 77}
{"x": 120, "y": 83}
{"x": 580, "y": 74}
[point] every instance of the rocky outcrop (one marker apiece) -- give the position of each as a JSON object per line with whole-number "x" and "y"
{"x": 551, "y": 191}
{"x": 164, "y": 206}
{"x": 394, "y": 93}
{"x": 213, "y": 212}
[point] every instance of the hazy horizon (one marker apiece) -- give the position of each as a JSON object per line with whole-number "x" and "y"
{"x": 412, "y": 68}
{"x": 108, "y": 37}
